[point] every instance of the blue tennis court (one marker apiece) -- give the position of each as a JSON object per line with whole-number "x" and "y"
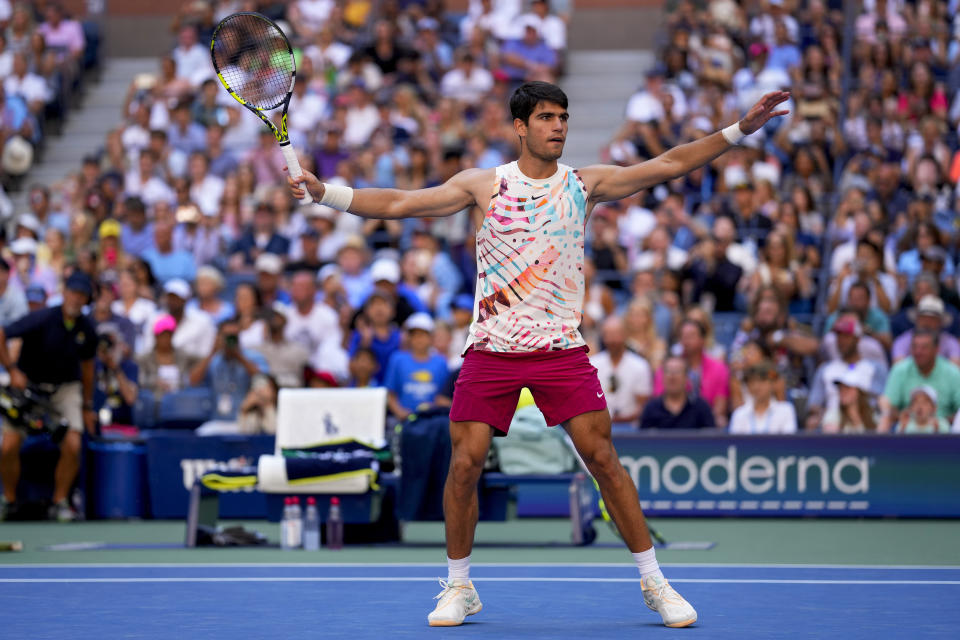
{"x": 520, "y": 601}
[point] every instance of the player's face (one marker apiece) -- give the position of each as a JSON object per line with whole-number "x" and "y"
{"x": 545, "y": 132}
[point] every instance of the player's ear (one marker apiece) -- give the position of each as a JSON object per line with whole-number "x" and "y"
{"x": 520, "y": 127}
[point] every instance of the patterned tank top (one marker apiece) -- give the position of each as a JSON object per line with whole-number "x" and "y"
{"x": 530, "y": 285}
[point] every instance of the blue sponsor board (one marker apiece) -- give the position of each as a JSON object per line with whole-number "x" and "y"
{"x": 801, "y": 475}
{"x": 176, "y": 458}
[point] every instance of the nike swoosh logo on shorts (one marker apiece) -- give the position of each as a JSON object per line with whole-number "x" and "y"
{"x": 599, "y": 394}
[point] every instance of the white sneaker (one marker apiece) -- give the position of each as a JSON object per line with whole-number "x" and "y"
{"x": 664, "y": 599}
{"x": 458, "y": 600}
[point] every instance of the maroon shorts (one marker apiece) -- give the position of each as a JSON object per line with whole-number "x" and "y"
{"x": 564, "y": 384}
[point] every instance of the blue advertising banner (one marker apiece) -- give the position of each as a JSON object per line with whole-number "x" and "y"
{"x": 800, "y": 475}
{"x": 176, "y": 458}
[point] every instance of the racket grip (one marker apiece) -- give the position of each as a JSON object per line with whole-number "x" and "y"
{"x": 293, "y": 166}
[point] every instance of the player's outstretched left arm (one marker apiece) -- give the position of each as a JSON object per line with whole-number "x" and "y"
{"x": 454, "y": 195}
{"x": 606, "y": 183}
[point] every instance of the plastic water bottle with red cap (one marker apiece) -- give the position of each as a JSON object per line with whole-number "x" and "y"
{"x": 335, "y": 525}
{"x": 286, "y": 525}
{"x": 311, "y": 526}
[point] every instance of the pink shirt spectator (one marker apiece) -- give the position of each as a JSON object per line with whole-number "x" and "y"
{"x": 714, "y": 380}
{"x": 66, "y": 35}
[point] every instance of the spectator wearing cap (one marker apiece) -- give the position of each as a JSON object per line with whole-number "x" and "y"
{"x": 675, "y": 408}
{"x": 740, "y": 206}
{"x": 552, "y": 27}
{"x": 259, "y": 238}
{"x": 624, "y": 376}
{"x": 875, "y": 323}
{"x": 198, "y": 233}
{"x": 164, "y": 369}
{"x": 111, "y": 256}
{"x": 286, "y": 359}
{"x": 323, "y": 221}
{"x": 26, "y": 270}
{"x": 228, "y": 371}
{"x": 763, "y": 413}
{"x": 305, "y": 253}
{"x": 929, "y": 315}
{"x": 925, "y": 284}
{"x": 166, "y": 262}
{"x": 106, "y": 321}
{"x": 28, "y": 227}
{"x": 269, "y": 269}
{"x": 136, "y": 235}
{"x": 921, "y": 414}
{"x": 13, "y": 303}
{"x": 435, "y": 54}
{"x": 195, "y": 333}
{"x": 926, "y": 253}
{"x": 868, "y": 268}
{"x": 416, "y": 375}
{"x": 385, "y": 275}
{"x": 646, "y": 107}
{"x": 847, "y": 333}
{"x": 709, "y": 377}
{"x": 36, "y": 297}
{"x": 375, "y": 330}
{"x": 58, "y": 345}
{"x": 923, "y": 367}
{"x": 209, "y": 286}
{"x": 309, "y": 322}
{"x": 854, "y": 412}
{"x": 528, "y": 57}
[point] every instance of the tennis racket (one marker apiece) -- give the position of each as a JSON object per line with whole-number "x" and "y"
{"x": 254, "y": 62}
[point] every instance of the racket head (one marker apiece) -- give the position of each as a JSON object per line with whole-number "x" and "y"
{"x": 253, "y": 60}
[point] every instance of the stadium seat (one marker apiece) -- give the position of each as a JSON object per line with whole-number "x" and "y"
{"x": 145, "y": 410}
{"x": 186, "y": 409}
{"x": 725, "y": 327}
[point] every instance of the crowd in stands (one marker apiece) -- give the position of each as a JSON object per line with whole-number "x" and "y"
{"x": 804, "y": 280}
{"x": 44, "y": 54}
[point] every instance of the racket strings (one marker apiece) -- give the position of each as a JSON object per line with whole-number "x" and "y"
{"x": 254, "y": 60}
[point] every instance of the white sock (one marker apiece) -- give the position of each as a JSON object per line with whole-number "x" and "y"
{"x": 647, "y": 564}
{"x": 460, "y": 569}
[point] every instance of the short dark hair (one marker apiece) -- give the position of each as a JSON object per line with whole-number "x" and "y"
{"x": 933, "y": 335}
{"x": 528, "y": 95}
{"x": 859, "y": 284}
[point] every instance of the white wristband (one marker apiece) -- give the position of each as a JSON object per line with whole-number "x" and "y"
{"x": 337, "y": 196}
{"x": 733, "y": 134}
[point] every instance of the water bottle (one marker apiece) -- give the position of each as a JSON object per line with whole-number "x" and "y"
{"x": 285, "y": 524}
{"x": 311, "y": 526}
{"x": 296, "y": 535}
{"x": 335, "y": 525}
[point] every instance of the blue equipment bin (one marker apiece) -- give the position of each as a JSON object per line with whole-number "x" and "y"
{"x": 118, "y": 480}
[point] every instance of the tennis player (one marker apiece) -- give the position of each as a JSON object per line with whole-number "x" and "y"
{"x": 529, "y": 298}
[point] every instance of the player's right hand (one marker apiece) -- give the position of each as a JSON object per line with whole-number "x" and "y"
{"x": 17, "y": 379}
{"x": 305, "y": 183}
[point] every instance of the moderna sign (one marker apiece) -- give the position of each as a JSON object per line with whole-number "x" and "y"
{"x": 803, "y": 474}
{"x": 756, "y": 475}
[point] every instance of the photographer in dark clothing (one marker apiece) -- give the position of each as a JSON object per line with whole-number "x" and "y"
{"x": 56, "y": 358}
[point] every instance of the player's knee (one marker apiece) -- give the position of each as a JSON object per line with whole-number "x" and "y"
{"x": 465, "y": 468}
{"x": 601, "y": 459}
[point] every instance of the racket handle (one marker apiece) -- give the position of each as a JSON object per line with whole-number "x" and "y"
{"x": 293, "y": 166}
